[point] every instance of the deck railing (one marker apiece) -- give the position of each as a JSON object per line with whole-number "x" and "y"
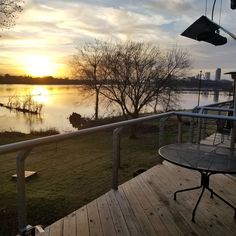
{"x": 25, "y": 147}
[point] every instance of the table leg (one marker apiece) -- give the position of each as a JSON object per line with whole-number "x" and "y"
{"x": 186, "y": 189}
{"x": 198, "y": 201}
{"x": 205, "y": 179}
{"x": 222, "y": 199}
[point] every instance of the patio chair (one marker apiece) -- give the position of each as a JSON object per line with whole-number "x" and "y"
{"x": 223, "y": 128}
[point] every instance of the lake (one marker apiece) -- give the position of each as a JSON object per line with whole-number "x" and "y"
{"x": 60, "y": 101}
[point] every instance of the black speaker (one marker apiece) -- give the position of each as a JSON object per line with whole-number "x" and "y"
{"x": 203, "y": 29}
{"x": 233, "y": 4}
{"x": 213, "y": 38}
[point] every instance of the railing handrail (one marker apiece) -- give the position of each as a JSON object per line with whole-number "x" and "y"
{"x": 217, "y": 104}
{"x": 217, "y": 109}
{"x": 200, "y": 115}
{"x": 7, "y": 148}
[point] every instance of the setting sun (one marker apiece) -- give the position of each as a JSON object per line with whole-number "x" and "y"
{"x": 37, "y": 65}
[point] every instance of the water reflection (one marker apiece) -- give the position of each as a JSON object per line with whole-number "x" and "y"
{"x": 216, "y": 96}
{"x": 60, "y": 101}
{"x": 205, "y": 94}
{"x": 40, "y": 94}
{"x": 32, "y": 120}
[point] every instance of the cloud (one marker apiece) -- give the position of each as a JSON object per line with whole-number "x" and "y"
{"x": 56, "y": 27}
{"x": 176, "y": 6}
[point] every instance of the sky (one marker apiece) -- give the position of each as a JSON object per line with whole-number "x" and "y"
{"x": 47, "y": 32}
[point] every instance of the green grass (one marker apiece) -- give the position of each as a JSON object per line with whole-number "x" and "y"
{"x": 73, "y": 172}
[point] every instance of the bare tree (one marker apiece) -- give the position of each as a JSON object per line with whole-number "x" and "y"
{"x": 8, "y": 12}
{"x": 169, "y": 100}
{"x": 140, "y": 74}
{"x": 87, "y": 65}
{"x": 173, "y": 64}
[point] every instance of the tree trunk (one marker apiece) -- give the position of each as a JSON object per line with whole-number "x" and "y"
{"x": 155, "y": 105}
{"x": 96, "y": 104}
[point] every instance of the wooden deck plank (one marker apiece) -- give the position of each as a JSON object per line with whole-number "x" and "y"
{"x": 108, "y": 227}
{"x": 218, "y": 183}
{"x": 148, "y": 209}
{"x": 186, "y": 201}
{"x": 45, "y": 233}
{"x": 95, "y": 228}
{"x": 172, "y": 218}
{"x": 69, "y": 228}
{"x": 218, "y": 140}
{"x": 134, "y": 227}
{"x": 158, "y": 180}
{"x": 56, "y": 228}
{"x": 117, "y": 216}
{"x": 138, "y": 211}
{"x": 82, "y": 224}
{"x": 145, "y": 206}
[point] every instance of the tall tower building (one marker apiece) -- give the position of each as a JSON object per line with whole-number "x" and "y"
{"x": 218, "y": 74}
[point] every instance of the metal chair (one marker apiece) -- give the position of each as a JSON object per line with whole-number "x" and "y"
{"x": 223, "y": 127}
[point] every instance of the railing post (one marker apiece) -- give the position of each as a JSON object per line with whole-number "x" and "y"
{"x": 161, "y": 132}
{"x": 205, "y": 124}
{"x": 115, "y": 157}
{"x": 233, "y": 129}
{"x": 191, "y": 130}
{"x": 191, "y": 127}
{"x": 199, "y": 129}
{"x": 21, "y": 195}
{"x": 233, "y": 136}
{"x": 199, "y": 133}
{"x": 180, "y": 129}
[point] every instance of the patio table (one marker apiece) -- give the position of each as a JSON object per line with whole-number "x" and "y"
{"x": 206, "y": 159}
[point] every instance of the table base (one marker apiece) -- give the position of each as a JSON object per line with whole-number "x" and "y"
{"x": 205, "y": 179}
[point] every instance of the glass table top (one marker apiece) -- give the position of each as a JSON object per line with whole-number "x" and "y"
{"x": 200, "y": 157}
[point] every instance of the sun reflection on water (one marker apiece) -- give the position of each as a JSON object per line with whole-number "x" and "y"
{"x": 40, "y": 94}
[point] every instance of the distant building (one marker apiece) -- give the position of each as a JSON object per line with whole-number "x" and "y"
{"x": 208, "y": 75}
{"x": 218, "y": 74}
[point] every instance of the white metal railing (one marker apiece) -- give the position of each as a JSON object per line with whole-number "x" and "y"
{"x": 24, "y": 148}
{"x": 225, "y": 107}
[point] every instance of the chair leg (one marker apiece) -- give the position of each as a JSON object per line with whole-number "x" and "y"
{"x": 214, "y": 139}
{"x": 222, "y": 138}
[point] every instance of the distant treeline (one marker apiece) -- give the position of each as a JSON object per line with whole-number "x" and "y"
{"x": 47, "y": 80}
{"x": 185, "y": 83}
{"x": 193, "y": 83}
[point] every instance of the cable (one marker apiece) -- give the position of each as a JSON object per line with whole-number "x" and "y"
{"x": 220, "y": 11}
{"x": 213, "y": 9}
{"x": 206, "y": 9}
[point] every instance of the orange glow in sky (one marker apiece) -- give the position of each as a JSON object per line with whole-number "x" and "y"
{"x": 39, "y": 65}
{"x": 50, "y": 31}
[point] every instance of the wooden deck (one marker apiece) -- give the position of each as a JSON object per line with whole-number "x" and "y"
{"x": 145, "y": 206}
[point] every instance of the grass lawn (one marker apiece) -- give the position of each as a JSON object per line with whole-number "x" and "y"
{"x": 73, "y": 172}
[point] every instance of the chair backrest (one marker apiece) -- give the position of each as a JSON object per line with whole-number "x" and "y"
{"x": 223, "y": 126}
